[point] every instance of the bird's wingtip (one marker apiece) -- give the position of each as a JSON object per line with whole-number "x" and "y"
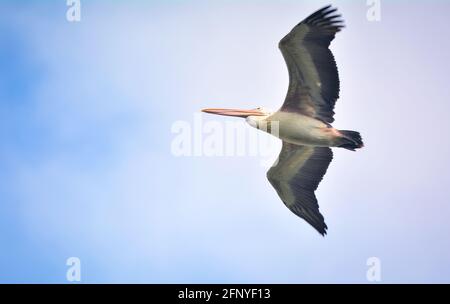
{"x": 323, "y": 230}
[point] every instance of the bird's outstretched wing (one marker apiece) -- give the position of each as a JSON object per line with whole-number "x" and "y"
{"x": 313, "y": 75}
{"x": 296, "y": 175}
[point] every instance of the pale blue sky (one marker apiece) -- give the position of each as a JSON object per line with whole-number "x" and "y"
{"x": 86, "y": 170}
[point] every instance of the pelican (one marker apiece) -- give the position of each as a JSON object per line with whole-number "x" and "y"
{"x": 304, "y": 120}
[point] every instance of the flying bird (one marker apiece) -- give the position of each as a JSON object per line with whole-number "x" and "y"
{"x": 303, "y": 122}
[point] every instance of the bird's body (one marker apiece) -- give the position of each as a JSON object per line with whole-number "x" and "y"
{"x": 298, "y": 129}
{"x": 303, "y": 122}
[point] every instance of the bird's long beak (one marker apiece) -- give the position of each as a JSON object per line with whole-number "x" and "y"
{"x": 235, "y": 112}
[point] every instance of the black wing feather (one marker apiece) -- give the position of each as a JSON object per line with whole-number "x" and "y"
{"x": 296, "y": 176}
{"x": 313, "y": 76}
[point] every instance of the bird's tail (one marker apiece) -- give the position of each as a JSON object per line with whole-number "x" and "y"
{"x": 350, "y": 140}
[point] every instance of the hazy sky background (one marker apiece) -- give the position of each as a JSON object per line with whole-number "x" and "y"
{"x": 86, "y": 169}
